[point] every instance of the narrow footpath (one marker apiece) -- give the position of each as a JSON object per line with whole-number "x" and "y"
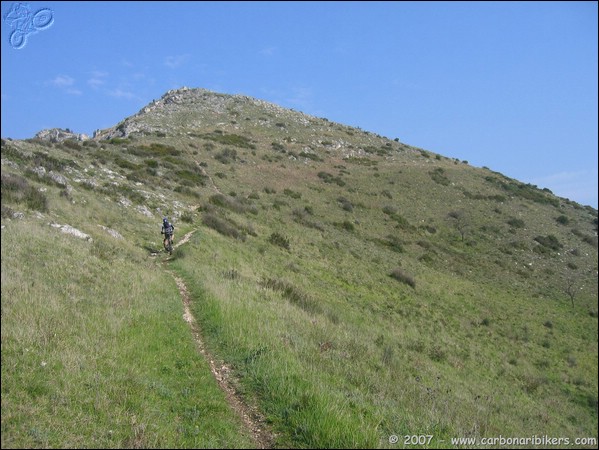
{"x": 254, "y": 422}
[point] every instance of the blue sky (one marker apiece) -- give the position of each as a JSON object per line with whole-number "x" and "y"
{"x": 507, "y": 85}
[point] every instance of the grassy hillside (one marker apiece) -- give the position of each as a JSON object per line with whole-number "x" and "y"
{"x": 357, "y": 287}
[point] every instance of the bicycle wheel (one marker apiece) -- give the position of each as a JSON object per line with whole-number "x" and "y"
{"x": 17, "y": 39}
{"x": 43, "y": 19}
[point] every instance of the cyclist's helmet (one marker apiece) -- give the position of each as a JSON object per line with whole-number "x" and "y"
{"x": 165, "y": 221}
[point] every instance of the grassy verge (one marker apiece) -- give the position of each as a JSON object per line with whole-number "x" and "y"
{"x": 95, "y": 352}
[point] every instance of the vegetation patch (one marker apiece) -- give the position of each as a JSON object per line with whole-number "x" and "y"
{"x": 293, "y": 294}
{"x": 439, "y": 176}
{"x": 226, "y": 227}
{"x": 234, "y": 140}
{"x": 549, "y": 242}
{"x": 279, "y": 240}
{"x": 400, "y": 275}
{"x": 16, "y": 189}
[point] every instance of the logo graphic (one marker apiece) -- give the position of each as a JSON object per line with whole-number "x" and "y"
{"x": 25, "y": 22}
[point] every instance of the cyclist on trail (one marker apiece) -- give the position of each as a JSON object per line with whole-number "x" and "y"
{"x": 168, "y": 229}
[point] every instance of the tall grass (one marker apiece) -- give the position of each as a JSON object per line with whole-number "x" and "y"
{"x": 95, "y": 352}
{"x": 429, "y": 367}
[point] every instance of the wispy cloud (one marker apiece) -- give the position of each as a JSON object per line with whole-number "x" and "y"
{"x": 176, "y": 61}
{"x": 268, "y": 51}
{"x": 65, "y": 83}
{"x": 120, "y": 93}
{"x": 61, "y": 81}
{"x": 301, "y": 97}
{"x": 97, "y": 79}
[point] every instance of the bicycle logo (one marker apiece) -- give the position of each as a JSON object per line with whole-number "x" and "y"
{"x": 25, "y": 22}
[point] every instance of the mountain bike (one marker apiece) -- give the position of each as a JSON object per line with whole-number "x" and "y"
{"x": 26, "y": 22}
{"x": 168, "y": 244}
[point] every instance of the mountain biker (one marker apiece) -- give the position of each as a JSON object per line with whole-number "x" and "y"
{"x": 168, "y": 229}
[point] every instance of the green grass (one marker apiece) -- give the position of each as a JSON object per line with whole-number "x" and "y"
{"x": 95, "y": 352}
{"x": 424, "y": 369}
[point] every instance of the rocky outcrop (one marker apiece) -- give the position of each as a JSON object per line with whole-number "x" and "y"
{"x": 59, "y": 135}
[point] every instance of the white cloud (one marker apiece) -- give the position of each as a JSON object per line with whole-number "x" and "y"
{"x": 176, "y": 61}
{"x": 95, "y": 83}
{"x": 98, "y": 78}
{"x": 62, "y": 81}
{"x": 301, "y": 97}
{"x": 268, "y": 51}
{"x": 119, "y": 93}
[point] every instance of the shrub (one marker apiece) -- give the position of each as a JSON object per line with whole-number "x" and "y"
{"x": 226, "y": 228}
{"x": 72, "y": 144}
{"x": 389, "y": 210}
{"x": 229, "y": 139}
{"x": 278, "y": 147}
{"x": 187, "y": 217}
{"x": 280, "y": 240}
{"x": 292, "y": 194}
{"x": 293, "y": 294}
{"x": 438, "y": 176}
{"x": 231, "y": 274}
{"x": 562, "y": 220}
{"x": 7, "y": 212}
{"x": 346, "y": 225}
{"x": 329, "y": 178}
{"x": 346, "y": 204}
{"x": 516, "y": 223}
{"x": 16, "y": 188}
{"x": 403, "y": 277}
{"x": 232, "y": 204}
{"x": 549, "y": 241}
{"x": 226, "y": 156}
{"x": 393, "y": 243}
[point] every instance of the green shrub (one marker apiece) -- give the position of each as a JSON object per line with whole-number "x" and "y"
{"x": 516, "y": 223}
{"x": 399, "y": 275}
{"x": 16, "y": 189}
{"x": 292, "y": 194}
{"x": 438, "y": 176}
{"x": 549, "y": 241}
{"x": 187, "y": 217}
{"x": 224, "y": 227}
{"x": 346, "y": 204}
{"x": 293, "y": 294}
{"x": 280, "y": 240}
{"x": 72, "y": 144}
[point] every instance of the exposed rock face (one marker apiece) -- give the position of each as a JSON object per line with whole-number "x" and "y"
{"x": 59, "y": 135}
{"x": 68, "y": 229}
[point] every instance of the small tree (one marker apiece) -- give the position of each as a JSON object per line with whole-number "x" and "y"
{"x": 571, "y": 286}
{"x": 461, "y": 222}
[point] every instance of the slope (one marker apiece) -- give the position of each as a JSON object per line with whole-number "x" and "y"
{"x": 357, "y": 287}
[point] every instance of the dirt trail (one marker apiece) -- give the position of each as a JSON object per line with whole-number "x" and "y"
{"x": 206, "y": 174}
{"x": 184, "y": 239}
{"x": 251, "y": 417}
